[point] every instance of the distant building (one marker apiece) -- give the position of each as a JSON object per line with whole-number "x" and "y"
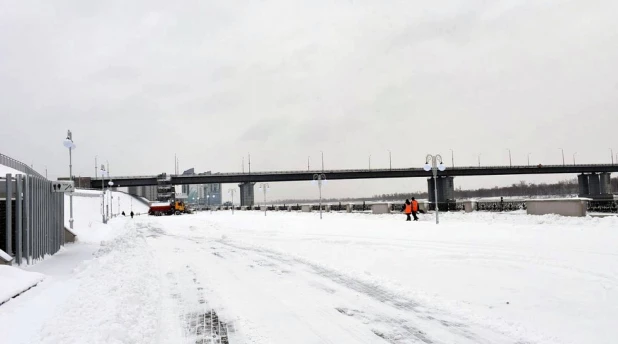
{"x": 148, "y": 192}
{"x": 205, "y": 194}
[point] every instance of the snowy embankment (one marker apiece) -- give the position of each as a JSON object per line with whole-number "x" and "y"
{"x": 16, "y": 281}
{"x": 88, "y": 221}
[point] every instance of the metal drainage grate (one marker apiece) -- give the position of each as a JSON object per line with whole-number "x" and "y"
{"x": 205, "y": 328}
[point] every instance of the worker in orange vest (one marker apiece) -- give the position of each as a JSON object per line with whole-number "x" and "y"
{"x": 407, "y": 209}
{"x": 414, "y": 207}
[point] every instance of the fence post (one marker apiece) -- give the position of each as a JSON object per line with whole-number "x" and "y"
{"x": 26, "y": 245}
{"x": 9, "y": 213}
{"x": 18, "y": 219}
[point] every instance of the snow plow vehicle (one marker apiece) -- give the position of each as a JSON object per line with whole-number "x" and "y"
{"x": 168, "y": 208}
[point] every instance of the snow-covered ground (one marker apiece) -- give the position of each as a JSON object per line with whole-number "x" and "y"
{"x": 16, "y": 281}
{"x": 350, "y": 278}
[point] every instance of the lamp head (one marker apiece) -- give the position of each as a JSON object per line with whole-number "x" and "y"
{"x": 427, "y": 167}
{"x": 441, "y": 167}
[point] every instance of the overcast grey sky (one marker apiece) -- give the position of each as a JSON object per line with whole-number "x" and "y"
{"x": 137, "y": 81}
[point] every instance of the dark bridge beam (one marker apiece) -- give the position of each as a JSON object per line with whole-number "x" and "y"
{"x": 224, "y": 178}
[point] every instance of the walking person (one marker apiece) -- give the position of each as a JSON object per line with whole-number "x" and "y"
{"x": 131, "y": 214}
{"x": 407, "y": 209}
{"x": 414, "y": 206}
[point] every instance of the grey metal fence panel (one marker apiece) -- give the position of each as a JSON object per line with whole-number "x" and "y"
{"x": 35, "y": 224}
{"x": 26, "y": 238}
{"x": 18, "y": 219}
{"x": 9, "y": 212}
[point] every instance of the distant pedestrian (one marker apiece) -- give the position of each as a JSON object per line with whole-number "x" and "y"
{"x": 132, "y": 214}
{"x": 123, "y": 214}
{"x": 414, "y": 206}
{"x": 407, "y": 209}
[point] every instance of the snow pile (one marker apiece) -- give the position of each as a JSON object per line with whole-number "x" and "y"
{"x": 14, "y": 281}
{"x": 117, "y": 300}
{"x": 88, "y": 221}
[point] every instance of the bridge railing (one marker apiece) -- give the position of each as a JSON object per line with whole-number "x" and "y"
{"x": 18, "y": 165}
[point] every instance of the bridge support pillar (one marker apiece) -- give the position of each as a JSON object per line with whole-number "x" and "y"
{"x": 446, "y": 189}
{"x": 247, "y": 195}
{"x": 595, "y": 185}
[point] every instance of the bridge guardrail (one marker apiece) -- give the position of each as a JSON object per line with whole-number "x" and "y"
{"x": 18, "y": 165}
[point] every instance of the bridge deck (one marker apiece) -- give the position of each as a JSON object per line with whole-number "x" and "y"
{"x": 283, "y": 176}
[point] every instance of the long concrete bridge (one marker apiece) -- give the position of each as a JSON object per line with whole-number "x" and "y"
{"x": 594, "y": 180}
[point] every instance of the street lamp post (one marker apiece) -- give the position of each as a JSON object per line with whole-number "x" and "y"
{"x": 574, "y": 157}
{"x": 452, "y": 158}
{"x": 510, "y": 161}
{"x": 479, "y": 160}
{"x": 264, "y": 187}
{"x": 321, "y": 152}
{"x": 96, "y": 166}
{"x": 320, "y": 177}
{"x": 309, "y": 163}
{"x": 111, "y": 199}
{"x": 434, "y": 163}
{"x": 232, "y": 192}
{"x": 103, "y": 194}
{"x": 390, "y": 160}
{"x": 562, "y": 156}
{"x": 612, "y": 151}
{"x": 68, "y": 143}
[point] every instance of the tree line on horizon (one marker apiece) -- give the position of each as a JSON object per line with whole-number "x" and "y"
{"x": 521, "y": 189}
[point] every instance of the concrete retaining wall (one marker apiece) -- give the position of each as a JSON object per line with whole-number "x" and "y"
{"x": 565, "y": 207}
{"x": 380, "y": 208}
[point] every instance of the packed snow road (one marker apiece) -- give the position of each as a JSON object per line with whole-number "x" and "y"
{"x": 351, "y": 278}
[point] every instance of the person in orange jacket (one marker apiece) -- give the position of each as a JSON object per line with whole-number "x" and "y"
{"x": 414, "y": 206}
{"x": 407, "y": 209}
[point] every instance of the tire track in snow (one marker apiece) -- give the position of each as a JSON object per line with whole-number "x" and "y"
{"x": 405, "y": 328}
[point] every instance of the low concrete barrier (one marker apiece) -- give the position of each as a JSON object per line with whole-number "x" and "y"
{"x": 560, "y": 206}
{"x": 380, "y": 208}
{"x": 469, "y": 206}
{"x": 306, "y": 208}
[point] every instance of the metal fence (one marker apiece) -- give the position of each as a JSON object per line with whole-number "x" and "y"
{"x": 32, "y": 217}
{"x": 18, "y": 165}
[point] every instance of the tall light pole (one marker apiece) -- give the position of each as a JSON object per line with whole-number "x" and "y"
{"x": 308, "y": 163}
{"x": 321, "y": 152}
{"x": 264, "y": 187}
{"x": 319, "y": 177}
{"x": 452, "y": 158}
{"x": 68, "y": 143}
{"x": 612, "y": 151}
{"x": 243, "y": 164}
{"x": 390, "y": 160}
{"x": 510, "y": 161}
{"x": 111, "y": 199}
{"x": 479, "y": 159}
{"x": 232, "y": 192}
{"x": 562, "y": 156}
{"x": 434, "y": 163}
{"x": 96, "y": 166}
{"x": 249, "y": 163}
{"x": 103, "y": 194}
{"x": 574, "y": 157}
{"x": 529, "y": 159}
